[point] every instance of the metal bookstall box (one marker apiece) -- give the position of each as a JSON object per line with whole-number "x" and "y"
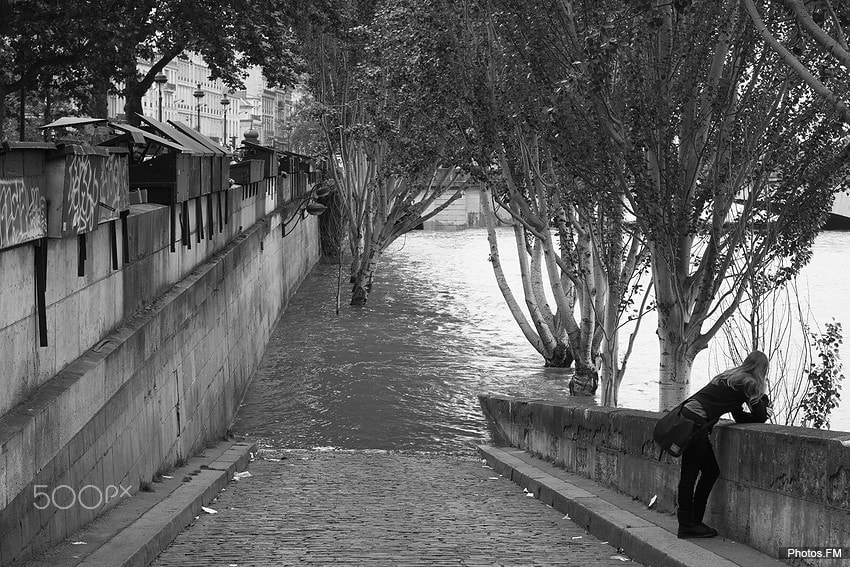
{"x": 165, "y": 172}
{"x": 23, "y": 213}
{"x": 23, "y": 206}
{"x": 297, "y": 167}
{"x": 214, "y": 161}
{"x": 247, "y": 171}
{"x": 74, "y": 179}
{"x": 265, "y": 154}
{"x": 115, "y": 189}
{"x": 219, "y": 161}
{"x": 269, "y": 157}
{"x": 192, "y": 168}
{"x": 162, "y": 168}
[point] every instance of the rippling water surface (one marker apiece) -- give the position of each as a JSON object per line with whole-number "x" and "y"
{"x": 404, "y": 372}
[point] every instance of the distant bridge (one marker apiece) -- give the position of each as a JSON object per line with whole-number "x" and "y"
{"x": 839, "y": 218}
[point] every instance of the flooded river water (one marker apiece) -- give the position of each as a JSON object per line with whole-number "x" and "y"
{"x": 405, "y": 371}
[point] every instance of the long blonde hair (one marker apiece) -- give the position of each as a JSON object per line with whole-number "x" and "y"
{"x": 750, "y": 377}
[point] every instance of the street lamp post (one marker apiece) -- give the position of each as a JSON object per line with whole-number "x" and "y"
{"x": 225, "y": 102}
{"x": 198, "y": 94}
{"x": 160, "y": 80}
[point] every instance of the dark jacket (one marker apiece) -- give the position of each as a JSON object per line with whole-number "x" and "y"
{"x": 715, "y": 400}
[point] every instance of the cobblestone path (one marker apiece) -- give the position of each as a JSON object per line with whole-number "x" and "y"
{"x": 378, "y": 508}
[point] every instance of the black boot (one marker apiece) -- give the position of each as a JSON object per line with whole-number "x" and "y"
{"x": 699, "y": 513}
{"x": 688, "y": 526}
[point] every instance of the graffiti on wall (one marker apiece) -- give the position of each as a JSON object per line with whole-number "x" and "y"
{"x": 79, "y": 213}
{"x": 114, "y": 187}
{"x": 23, "y": 215}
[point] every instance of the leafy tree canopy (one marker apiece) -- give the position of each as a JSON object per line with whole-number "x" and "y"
{"x": 90, "y": 43}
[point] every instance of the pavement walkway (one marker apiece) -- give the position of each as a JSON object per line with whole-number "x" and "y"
{"x": 381, "y": 508}
{"x": 370, "y": 507}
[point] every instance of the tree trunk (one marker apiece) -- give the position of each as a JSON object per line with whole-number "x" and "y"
{"x": 332, "y": 226}
{"x": 513, "y": 306}
{"x": 610, "y": 351}
{"x": 3, "y": 134}
{"x": 97, "y": 106}
{"x": 133, "y": 94}
{"x": 677, "y": 354}
{"x": 359, "y": 293}
{"x": 561, "y": 357}
{"x": 675, "y": 364}
{"x": 137, "y": 85}
{"x": 585, "y": 381}
{"x": 674, "y": 370}
{"x": 537, "y": 317}
{"x": 363, "y": 278}
{"x": 22, "y": 115}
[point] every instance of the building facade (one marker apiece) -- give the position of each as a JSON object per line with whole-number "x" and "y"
{"x": 191, "y": 97}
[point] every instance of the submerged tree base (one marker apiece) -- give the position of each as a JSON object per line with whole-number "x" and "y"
{"x": 562, "y": 357}
{"x": 359, "y": 294}
{"x": 584, "y": 382}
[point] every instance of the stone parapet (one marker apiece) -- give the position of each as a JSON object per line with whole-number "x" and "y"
{"x": 779, "y": 486}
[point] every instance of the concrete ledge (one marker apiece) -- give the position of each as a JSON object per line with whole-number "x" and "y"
{"x": 644, "y": 535}
{"x": 136, "y": 531}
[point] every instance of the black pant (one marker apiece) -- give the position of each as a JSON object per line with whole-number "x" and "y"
{"x": 698, "y": 460}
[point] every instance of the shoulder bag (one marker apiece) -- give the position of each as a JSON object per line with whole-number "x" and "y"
{"x": 675, "y": 432}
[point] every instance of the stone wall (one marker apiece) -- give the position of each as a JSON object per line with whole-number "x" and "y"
{"x": 779, "y": 486}
{"x": 145, "y": 364}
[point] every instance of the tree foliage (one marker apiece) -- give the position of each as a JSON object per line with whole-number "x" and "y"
{"x": 729, "y": 162}
{"x": 307, "y": 137}
{"x": 555, "y": 175}
{"x": 385, "y": 76}
{"x": 87, "y": 46}
{"x": 40, "y": 38}
{"x": 824, "y": 378}
{"x": 231, "y": 36}
{"x": 681, "y": 117}
{"x": 810, "y": 37}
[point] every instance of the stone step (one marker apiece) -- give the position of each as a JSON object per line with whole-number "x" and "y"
{"x": 134, "y": 532}
{"x": 647, "y": 536}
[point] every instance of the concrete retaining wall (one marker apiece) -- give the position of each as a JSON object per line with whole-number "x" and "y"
{"x": 145, "y": 364}
{"x": 779, "y": 486}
